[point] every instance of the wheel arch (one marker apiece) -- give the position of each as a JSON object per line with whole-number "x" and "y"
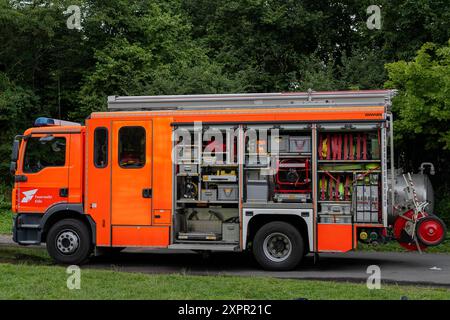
{"x": 59, "y": 212}
{"x": 256, "y": 222}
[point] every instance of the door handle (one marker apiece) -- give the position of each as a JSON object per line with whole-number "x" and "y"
{"x": 20, "y": 178}
{"x": 147, "y": 193}
{"x": 64, "y": 192}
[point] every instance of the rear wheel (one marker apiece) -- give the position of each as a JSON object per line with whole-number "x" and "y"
{"x": 69, "y": 242}
{"x": 278, "y": 246}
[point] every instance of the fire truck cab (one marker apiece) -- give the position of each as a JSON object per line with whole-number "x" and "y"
{"x": 280, "y": 174}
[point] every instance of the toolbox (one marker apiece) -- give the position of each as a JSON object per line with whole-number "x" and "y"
{"x": 227, "y": 192}
{"x": 213, "y": 226}
{"x": 209, "y": 195}
{"x": 300, "y": 144}
{"x": 280, "y": 144}
{"x": 230, "y": 232}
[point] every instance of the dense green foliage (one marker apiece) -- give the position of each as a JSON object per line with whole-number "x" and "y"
{"x": 127, "y": 47}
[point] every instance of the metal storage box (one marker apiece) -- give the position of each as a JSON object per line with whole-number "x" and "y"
{"x": 188, "y": 168}
{"x": 336, "y": 208}
{"x": 279, "y": 144}
{"x": 300, "y": 144}
{"x": 209, "y": 195}
{"x": 214, "y": 226}
{"x": 227, "y": 192}
{"x": 230, "y": 232}
{"x": 335, "y": 219}
{"x": 257, "y": 190}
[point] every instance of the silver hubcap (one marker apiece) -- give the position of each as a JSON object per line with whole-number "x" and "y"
{"x": 67, "y": 241}
{"x": 277, "y": 247}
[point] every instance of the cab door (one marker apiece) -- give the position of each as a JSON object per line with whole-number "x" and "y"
{"x": 131, "y": 190}
{"x": 42, "y": 177}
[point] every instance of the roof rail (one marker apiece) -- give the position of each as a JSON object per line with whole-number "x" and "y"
{"x": 252, "y": 100}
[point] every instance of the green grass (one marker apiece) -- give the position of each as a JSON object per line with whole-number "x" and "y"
{"x": 5, "y": 220}
{"x": 49, "y": 282}
{"x": 28, "y": 273}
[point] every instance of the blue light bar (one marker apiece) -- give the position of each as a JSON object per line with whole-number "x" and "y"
{"x": 48, "y": 122}
{"x": 44, "y": 122}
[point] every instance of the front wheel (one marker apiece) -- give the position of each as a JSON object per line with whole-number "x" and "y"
{"x": 278, "y": 246}
{"x": 69, "y": 242}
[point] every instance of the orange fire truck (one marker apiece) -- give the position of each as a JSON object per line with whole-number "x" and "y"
{"x": 279, "y": 174}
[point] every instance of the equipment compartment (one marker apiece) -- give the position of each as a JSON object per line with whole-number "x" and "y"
{"x": 349, "y": 171}
{"x": 207, "y": 188}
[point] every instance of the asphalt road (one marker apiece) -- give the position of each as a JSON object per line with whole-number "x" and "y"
{"x": 413, "y": 268}
{"x": 403, "y": 268}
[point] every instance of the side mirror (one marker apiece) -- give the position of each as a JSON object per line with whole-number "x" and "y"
{"x": 13, "y": 167}
{"x": 46, "y": 139}
{"x": 15, "y": 150}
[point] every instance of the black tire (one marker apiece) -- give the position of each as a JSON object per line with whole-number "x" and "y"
{"x": 68, "y": 230}
{"x": 287, "y": 236}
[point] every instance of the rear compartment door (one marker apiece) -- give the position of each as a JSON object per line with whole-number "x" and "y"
{"x": 131, "y": 190}
{"x": 43, "y": 175}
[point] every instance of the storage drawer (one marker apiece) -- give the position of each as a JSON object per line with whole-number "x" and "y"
{"x": 209, "y": 195}
{"x": 205, "y": 226}
{"x": 227, "y": 192}
{"x": 279, "y": 144}
{"x": 300, "y": 144}
{"x": 162, "y": 217}
{"x": 230, "y": 232}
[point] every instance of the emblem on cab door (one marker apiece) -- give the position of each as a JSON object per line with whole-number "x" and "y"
{"x": 28, "y": 195}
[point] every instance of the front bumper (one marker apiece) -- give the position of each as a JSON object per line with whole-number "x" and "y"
{"x": 27, "y": 228}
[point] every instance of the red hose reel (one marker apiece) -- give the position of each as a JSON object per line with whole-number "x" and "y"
{"x": 429, "y": 230}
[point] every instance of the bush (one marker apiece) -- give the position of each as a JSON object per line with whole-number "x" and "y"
{"x": 442, "y": 208}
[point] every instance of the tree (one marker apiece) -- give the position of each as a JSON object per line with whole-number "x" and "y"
{"x": 422, "y": 109}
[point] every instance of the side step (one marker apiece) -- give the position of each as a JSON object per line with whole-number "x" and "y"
{"x": 205, "y": 246}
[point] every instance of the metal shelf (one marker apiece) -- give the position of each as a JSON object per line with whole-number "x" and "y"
{"x": 349, "y": 171}
{"x": 334, "y": 201}
{"x": 347, "y": 161}
{"x": 219, "y": 165}
{"x": 206, "y": 202}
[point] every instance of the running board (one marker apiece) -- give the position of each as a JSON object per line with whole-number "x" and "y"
{"x": 205, "y": 246}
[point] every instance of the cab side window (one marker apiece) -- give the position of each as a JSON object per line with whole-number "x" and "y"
{"x": 42, "y": 152}
{"x": 132, "y": 147}
{"x": 101, "y": 147}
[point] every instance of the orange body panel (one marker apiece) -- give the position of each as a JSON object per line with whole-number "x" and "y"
{"x": 98, "y": 185}
{"x": 76, "y": 159}
{"x": 128, "y": 206}
{"x": 162, "y": 164}
{"x": 128, "y": 236}
{"x": 162, "y": 217}
{"x": 334, "y": 237}
{"x": 249, "y": 115}
{"x": 41, "y": 190}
